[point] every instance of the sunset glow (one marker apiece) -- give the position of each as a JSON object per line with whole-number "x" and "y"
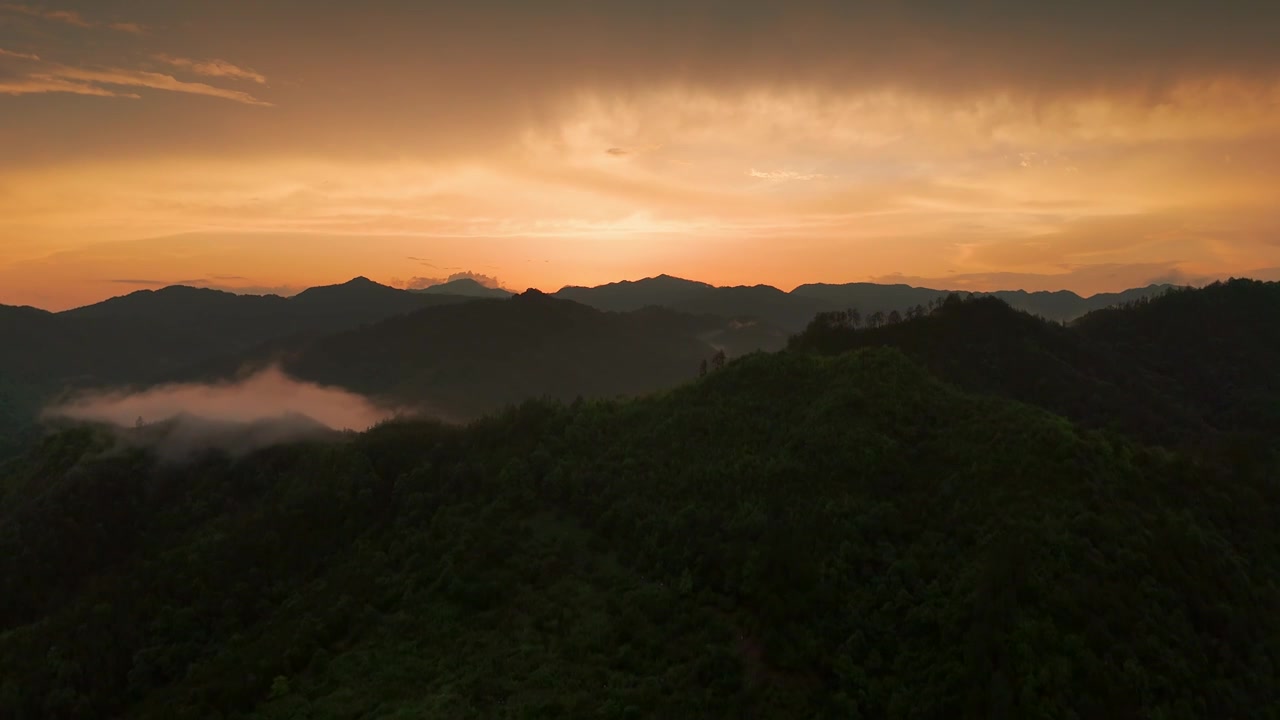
{"x": 545, "y": 144}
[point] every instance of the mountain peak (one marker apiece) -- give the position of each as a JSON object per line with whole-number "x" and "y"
{"x": 468, "y": 287}
{"x": 673, "y": 280}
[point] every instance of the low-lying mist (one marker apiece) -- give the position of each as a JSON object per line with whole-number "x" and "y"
{"x": 267, "y": 408}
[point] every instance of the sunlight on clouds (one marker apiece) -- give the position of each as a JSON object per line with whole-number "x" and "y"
{"x": 753, "y": 186}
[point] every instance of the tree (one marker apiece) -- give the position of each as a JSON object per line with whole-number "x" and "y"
{"x": 876, "y": 319}
{"x": 279, "y": 686}
{"x": 717, "y": 360}
{"x": 894, "y": 318}
{"x": 855, "y": 317}
{"x": 702, "y": 368}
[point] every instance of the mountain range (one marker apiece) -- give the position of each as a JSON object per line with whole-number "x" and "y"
{"x": 970, "y": 513}
{"x": 461, "y": 348}
{"x": 792, "y": 311}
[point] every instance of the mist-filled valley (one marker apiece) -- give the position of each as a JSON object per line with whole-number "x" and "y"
{"x": 667, "y": 505}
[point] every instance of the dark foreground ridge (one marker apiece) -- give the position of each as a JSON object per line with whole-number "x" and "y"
{"x": 800, "y": 534}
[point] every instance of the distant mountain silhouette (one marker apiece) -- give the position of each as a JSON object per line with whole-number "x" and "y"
{"x": 149, "y": 333}
{"x": 792, "y": 311}
{"x": 761, "y": 302}
{"x": 663, "y": 290}
{"x": 465, "y": 287}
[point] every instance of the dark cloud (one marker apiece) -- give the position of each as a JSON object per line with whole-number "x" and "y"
{"x": 361, "y": 77}
{"x": 937, "y": 45}
{"x": 419, "y": 283}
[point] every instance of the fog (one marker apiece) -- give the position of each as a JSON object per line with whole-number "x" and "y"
{"x": 265, "y": 409}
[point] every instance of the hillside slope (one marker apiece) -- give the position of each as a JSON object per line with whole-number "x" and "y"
{"x": 1181, "y": 369}
{"x": 466, "y": 360}
{"x": 792, "y": 536}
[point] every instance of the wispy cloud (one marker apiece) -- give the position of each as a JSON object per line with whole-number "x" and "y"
{"x": 128, "y": 27}
{"x": 44, "y": 83}
{"x": 628, "y": 151}
{"x": 68, "y": 17}
{"x": 155, "y": 81}
{"x": 19, "y": 55}
{"x": 152, "y": 283}
{"x": 213, "y": 68}
{"x": 784, "y": 175}
{"x": 56, "y": 78}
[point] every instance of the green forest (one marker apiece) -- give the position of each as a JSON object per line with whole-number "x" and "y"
{"x": 959, "y": 510}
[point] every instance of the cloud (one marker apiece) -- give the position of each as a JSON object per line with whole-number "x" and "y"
{"x": 128, "y": 27}
{"x": 213, "y": 68}
{"x": 421, "y": 283}
{"x": 632, "y": 151}
{"x": 69, "y": 17}
{"x": 948, "y": 132}
{"x": 155, "y": 81}
{"x": 265, "y": 409}
{"x": 140, "y": 281}
{"x": 784, "y": 175}
{"x": 266, "y": 395}
{"x": 19, "y": 55}
{"x": 56, "y": 78}
{"x": 43, "y": 83}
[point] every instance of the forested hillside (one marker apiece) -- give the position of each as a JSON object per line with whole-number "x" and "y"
{"x": 1187, "y": 368}
{"x": 795, "y": 535}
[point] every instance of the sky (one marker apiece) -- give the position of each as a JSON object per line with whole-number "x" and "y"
{"x": 271, "y": 145}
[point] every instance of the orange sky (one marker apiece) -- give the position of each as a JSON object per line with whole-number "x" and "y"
{"x": 267, "y": 146}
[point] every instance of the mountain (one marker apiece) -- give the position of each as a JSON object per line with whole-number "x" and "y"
{"x": 465, "y": 360}
{"x": 790, "y": 312}
{"x": 1061, "y": 305}
{"x": 660, "y": 291}
{"x": 760, "y": 302}
{"x": 150, "y": 334}
{"x": 1175, "y": 369}
{"x": 795, "y": 535}
{"x": 465, "y": 287}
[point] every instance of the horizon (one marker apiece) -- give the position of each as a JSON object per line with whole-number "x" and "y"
{"x": 1082, "y": 147}
{"x": 252, "y": 292}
